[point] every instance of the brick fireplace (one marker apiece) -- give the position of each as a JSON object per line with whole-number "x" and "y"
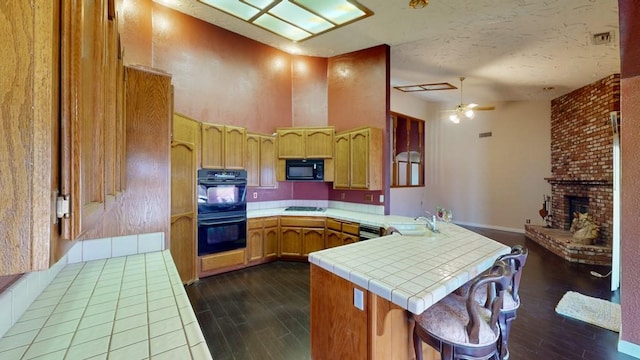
{"x": 581, "y": 170}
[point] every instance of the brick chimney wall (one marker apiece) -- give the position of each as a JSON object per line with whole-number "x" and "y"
{"x": 581, "y": 153}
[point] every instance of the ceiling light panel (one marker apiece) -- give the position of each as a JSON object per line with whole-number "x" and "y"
{"x": 295, "y": 20}
{"x": 337, "y": 11}
{"x": 294, "y": 14}
{"x": 233, "y": 7}
{"x": 281, "y": 28}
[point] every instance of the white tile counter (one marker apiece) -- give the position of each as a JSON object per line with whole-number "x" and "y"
{"x": 413, "y": 272}
{"x": 347, "y": 215}
{"x": 129, "y": 307}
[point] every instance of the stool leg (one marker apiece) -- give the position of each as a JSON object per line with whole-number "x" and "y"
{"x": 417, "y": 345}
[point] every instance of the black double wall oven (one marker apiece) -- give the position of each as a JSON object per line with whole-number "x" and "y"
{"x": 222, "y": 210}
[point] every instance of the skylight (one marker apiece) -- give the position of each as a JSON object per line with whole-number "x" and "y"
{"x": 296, "y": 20}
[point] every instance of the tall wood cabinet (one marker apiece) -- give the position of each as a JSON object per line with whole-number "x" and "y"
{"x": 29, "y": 148}
{"x": 184, "y": 157}
{"x": 261, "y": 160}
{"x": 62, "y": 116}
{"x": 358, "y": 159}
{"x": 223, "y": 146}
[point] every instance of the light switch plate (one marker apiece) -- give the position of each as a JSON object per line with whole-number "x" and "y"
{"x": 358, "y": 299}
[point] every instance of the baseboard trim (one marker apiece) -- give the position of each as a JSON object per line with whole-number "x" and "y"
{"x": 502, "y": 228}
{"x": 628, "y": 348}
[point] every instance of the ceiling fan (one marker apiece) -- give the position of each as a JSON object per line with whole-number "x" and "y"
{"x": 466, "y": 111}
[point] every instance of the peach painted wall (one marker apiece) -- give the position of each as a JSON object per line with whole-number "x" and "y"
{"x": 309, "y": 90}
{"x": 221, "y": 77}
{"x": 136, "y": 30}
{"x": 630, "y": 188}
{"x": 358, "y": 92}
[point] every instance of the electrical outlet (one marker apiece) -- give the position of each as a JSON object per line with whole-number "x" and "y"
{"x": 358, "y": 299}
{"x": 255, "y": 195}
{"x": 528, "y": 221}
{"x": 381, "y": 199}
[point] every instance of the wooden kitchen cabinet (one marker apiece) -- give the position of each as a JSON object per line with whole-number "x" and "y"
{"x": 312, "y": 240}
{"x": 262, "y": 239}
{"x": 223, "y": 146}
{"x": 358, "y": 159}
{"x": 261, "y": 160}
{"x": 341, "y": 232}
{"x": 301, "y": 235}
{"x": 184, "y": 155}
{"x": 63, "y": 118}
{"x": 305, "y": 143}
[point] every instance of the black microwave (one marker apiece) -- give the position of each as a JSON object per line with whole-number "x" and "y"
{"x": 305, "y": 170}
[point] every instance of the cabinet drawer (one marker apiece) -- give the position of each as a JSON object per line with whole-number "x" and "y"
{"x": 334, "y": 224}
{"x": 216, "y": 261}
{"x": 302, "y": 222}
{"x": 253, "y": 224}
{"x": 270, "y": 222}
{"x": 351, "y": 228}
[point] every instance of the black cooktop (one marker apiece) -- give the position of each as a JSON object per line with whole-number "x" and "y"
{"x": 304, "y": 208}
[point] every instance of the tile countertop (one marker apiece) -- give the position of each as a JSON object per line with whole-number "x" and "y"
{"x": 130, "y": 307}
{"x": 413, "y": 272}
{"x": 347, "y": 215}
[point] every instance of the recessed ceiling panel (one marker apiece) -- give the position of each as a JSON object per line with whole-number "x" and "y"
{"x": 233, "y": 7}
{"x": 296, "y": 15}
{"x": 281, "y": 28}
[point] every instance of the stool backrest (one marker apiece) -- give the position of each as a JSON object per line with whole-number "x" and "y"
{"x": 499, "y": 277}
{"x": 516, "y": 260}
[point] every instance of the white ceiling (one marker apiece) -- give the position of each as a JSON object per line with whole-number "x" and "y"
{"x": 507, "y": 49}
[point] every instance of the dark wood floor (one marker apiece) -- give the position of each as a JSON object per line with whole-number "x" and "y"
{"x": 263, "y": 312}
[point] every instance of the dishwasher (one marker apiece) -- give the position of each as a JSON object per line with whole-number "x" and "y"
{"x": 370, "y": 231}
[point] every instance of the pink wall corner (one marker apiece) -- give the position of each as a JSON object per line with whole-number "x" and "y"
{"x": 221, "y": 77}
{"x": 309, "y": 91}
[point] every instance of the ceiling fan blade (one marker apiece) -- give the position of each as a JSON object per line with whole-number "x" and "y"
{"x": 484, "y": 108}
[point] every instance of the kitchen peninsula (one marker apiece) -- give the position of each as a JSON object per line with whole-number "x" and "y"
{"x": 363, "y": 294}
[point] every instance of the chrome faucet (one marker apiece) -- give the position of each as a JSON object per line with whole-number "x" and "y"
{"x": 431, "y": 224}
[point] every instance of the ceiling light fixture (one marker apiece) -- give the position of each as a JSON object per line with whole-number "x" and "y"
{"x": 418, "y": 4}
{"x": 465, "y": 111}
{"x": 296, "y": 20}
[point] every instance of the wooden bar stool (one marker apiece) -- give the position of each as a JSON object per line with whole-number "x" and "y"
{"x": 460, "y": 327}
{"x": 516, "y": 261}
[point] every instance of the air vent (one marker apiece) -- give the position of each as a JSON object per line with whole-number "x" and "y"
{"x": 485, "y": 134}
{"x": 602, "y": 38}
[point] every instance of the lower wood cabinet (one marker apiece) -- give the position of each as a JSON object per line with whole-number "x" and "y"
{"x": 341, "y": 232}
{"x": 262, "y": 239}
{"x": 221, "y": 262}
{"x": 301, "y": 235}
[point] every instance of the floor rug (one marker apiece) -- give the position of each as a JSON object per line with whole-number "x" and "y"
{"x": 589, "y": 309}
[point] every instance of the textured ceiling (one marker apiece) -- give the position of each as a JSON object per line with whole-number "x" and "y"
{"x": 506, "y": 49}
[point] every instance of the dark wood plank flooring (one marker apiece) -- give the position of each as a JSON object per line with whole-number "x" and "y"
{"x": 263, "y": 312}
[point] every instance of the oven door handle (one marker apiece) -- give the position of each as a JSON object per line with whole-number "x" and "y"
{"x": 226, "y": 182}
{"x": 220, "y": 222}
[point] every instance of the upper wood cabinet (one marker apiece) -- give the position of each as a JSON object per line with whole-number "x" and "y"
{"x": 223, "y": 146}
{"x": 358, "y": 160}
{"x": 305, "y": 143}
{"x": 261, "y": 160}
